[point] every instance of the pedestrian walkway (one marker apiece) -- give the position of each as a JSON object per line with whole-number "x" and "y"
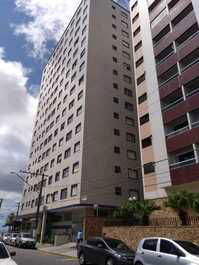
{"x": 68, "y": 249}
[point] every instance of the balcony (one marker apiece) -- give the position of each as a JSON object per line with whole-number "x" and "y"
{"x": 185, "y": 157}
{"x": 176, "y": 127}
{"x": 172, "y": 99}
{"x": 189, "y": 60}
{"x": 192, "y": 87}
{"x": 170, "y": 74}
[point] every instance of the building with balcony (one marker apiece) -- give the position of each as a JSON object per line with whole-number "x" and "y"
{"x": 165, "y": 36}
{"x": 85, "y": 137}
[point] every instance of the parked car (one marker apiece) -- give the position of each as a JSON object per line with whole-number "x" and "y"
{"x": 6, "y": 238}
{"x": 12, "y": 239}
{"x": 106, "y": 251}
{"x": 164, "y": 251}
{"x": 25, "y": 240}
{"x": 5, "y": 255}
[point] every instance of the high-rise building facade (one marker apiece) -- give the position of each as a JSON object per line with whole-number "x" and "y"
{"x": 85, "y": 136}
{"x": 166, "y": 59}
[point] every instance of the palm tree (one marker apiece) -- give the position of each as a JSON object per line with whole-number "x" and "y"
{"x": 144, "y": 209}
{"x": 181, "y": 202}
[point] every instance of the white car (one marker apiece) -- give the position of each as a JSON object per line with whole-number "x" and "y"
{"x": 5, "y": 256}
{"x": 164, "y": 251}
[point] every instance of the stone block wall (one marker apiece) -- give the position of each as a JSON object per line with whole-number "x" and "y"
{"x": 131, "y": 235}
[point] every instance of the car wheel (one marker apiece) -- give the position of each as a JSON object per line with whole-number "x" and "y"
{"x": 110, "y": 261}
{"x": 82, "y": 259}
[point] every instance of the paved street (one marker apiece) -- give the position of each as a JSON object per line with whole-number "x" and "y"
{"x": 36, "y": 257}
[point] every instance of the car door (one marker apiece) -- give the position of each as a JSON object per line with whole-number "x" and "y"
{"x": 148, "y": 252}
{"x": 170, "y": 254}
{"x": 97, "y": 254}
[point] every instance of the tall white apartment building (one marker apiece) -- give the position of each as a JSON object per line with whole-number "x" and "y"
{"x": 85, "y": 136}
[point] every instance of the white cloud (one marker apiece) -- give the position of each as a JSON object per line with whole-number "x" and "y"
{"x": 17, "y": 110}
{"x": 48, "y": 19}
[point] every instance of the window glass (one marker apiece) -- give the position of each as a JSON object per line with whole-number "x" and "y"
{"x": 150, "y": 244}
{"x": 168, "y": 247}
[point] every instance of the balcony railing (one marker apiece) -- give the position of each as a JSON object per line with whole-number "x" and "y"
{"x": 195, "y": 124}
{"x": 192, "y": 92}
{"x": 187, "y": 162}
{"x": 171, "y": 105}
{"x": 181, "y": 130}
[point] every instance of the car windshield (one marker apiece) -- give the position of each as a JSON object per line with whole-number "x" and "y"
{"x": 26, "y": 235}
{"x": 116, "y": 244}
{"x": 3, "y": 252}
{"x": 189, "y": 247}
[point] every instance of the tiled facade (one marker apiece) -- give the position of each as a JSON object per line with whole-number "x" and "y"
{"x": 166, "y": 58}
{"x": 85, "y": 136}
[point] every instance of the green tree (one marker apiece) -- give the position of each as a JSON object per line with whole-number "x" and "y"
{"x": 195, "y": 202}
{"x": 144, "y": 209}
{"x": 181, "y": 202}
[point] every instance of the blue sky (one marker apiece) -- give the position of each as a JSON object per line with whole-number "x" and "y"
{"x": 29, "y": 29}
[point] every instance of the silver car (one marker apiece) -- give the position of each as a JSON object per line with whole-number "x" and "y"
{"x": 164, "y": 251}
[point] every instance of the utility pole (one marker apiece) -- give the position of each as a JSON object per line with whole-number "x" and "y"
{"x": 39, "y": 196}
{"x": 1, "y": 201}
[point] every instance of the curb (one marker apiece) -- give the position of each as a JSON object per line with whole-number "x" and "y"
{"x": 57, "y": 254}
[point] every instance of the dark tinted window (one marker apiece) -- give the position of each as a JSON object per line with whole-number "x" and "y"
{"x": 3, "y": 252}
{"x": 189, "y": 247}
{"x": 91, "y": 242}
{"x": 168, "y": 247}
{"x": 150, "y": 244}
{"x": 116, "y": 244}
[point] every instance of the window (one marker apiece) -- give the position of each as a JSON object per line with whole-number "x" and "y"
{"x": 154, "y": 5}
{"x": 71, "y": 104}
{"x": 54, "y": 147}
{"x": 123, "y": 14}
{"x": 147, "y": 142}
{"x": 52, "y": 163}
{"x": 125, "y": 34}
{"x": 82, "y": 53}
{"x": 142, "y": 98}
{"x": 144, "y": 119}
{"x": 114, "y": 47}
{"x": 129, "y": 121}
{"x": 135, "y": 33}
{"x": 74, "y": 190}
{"x": 116, "y": 115}
{"x": 126, "y": 55}
{"x": 149, "y": 168}
{"x": 115, "y": 100}
{"x": 65, "y": 172}
{"x": 115, "y": 72}
{"x": 114, "y": 59}
{"x": 182, "y": 15}
{"x": 70, "y": 119}
{"x": 67, "y": 153}
{"x": 124, "y": 24}
{"x": 114, "y": 26}
{"x": 62, "y": 126}
{"x": 81, "y": 80}
{"x": 117, "y": 132}
{"x": 134, "y": 6}
{"x": 161, "y": 35}
{"x": 79, "y": 111}
{"x": 150, "y": 244}
{"x": 82, "y": 66}
{"x": 78, "y": 128}
{"x": 80, "y": 95}
{"x": 131, "y": 154}
{"x": 138, "y": 46}
{"x": 128, "y": 92}
{"x": 130, "y": 137}
{"x": 115, "y": 85}
{"x": 77, "y": 147}
{"x": 128, "y": 106}
{"x": 125, "y": 44}
{"x": 117, "y": 169}
{"x": 127, "y": 79}
{"x": 57, "y": 176}
{"x": 168, "y": 247}
{"x": 132, "y": 173}
{"x": 118, "y": 191}
{"x": 139, "y": 62}
{"x": 140, "y": 79}
{"x": 55, "y": 132}
{"x": 63, "y": 194}
{"x": 68, "y": 136}
{"x": 59, "y": 158}
{"x": 55, "y": 196}
{"x": 114, "y": 36}
{"x": 61, "y": 141}
{"x": 135, "y": 18}
{"x": 75, "y": 167}
{"x": 116, "y": 149}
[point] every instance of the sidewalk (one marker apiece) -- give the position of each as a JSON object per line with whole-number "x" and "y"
{"x": 68, "y": 250}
